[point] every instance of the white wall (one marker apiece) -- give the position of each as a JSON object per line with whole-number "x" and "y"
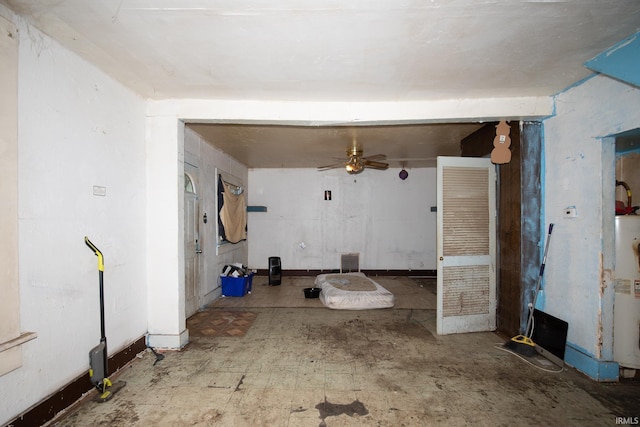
{"x": 10, "y": 358}
{"x": 77, "y": 128}
{"x": 580, "y": 167}
{"x": 387, "y": 220}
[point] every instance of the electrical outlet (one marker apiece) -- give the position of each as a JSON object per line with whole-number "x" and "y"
{"x": 570, "y": 212}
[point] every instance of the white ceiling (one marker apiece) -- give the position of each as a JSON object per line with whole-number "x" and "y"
{"x": 336, "y": 50}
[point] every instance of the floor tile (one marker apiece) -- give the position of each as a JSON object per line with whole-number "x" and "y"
{"x": 298, "y": 363}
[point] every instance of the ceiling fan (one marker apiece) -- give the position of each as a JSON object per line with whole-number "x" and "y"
{"x": 356, "y": 163}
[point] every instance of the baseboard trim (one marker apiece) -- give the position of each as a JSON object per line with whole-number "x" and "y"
{"x": 411, "y": 273}
{"x": 598, "y": 370}
{"x": 169, "y": 342}
{"x": 47, "y": 409}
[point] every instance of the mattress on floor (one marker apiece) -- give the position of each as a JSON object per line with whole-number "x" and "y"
{"x": 352, "y": 291}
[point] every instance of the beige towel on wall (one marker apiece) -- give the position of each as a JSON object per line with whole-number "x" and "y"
{"x": 234, "y": 215}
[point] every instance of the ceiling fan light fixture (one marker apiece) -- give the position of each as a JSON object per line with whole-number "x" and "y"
{"x": 354, "y": 166}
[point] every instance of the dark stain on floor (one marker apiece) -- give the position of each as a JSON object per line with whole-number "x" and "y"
{"x": 409, "y": 329}
{"x": 240, "y": 383}
{"x": 328, "y": 409}
{"x": 360, "y": 329}
{"x": 622, "y": 397}
{"x": 159, "y": 374}
{"x": 360, "y": 339}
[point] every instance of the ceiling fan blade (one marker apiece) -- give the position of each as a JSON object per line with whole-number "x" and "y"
{"x": 375, "y": 165}
{"x": 375, "y": 157}
{"x": 411, "y": 159}
{"x": 327, "y": 167}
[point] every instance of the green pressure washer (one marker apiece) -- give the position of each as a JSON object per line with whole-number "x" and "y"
{"x": 98, "y": 365}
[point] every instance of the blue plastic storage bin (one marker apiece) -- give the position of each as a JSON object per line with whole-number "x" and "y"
{"x": 236, "y": 286}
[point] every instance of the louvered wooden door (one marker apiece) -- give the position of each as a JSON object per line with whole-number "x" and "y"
{"x": 466, "y": 246}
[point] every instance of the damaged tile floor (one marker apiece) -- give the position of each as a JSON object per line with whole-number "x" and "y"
{"x": 312, "y": 366}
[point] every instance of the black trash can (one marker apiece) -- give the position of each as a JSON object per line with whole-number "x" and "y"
{"x": 275, "y": 271}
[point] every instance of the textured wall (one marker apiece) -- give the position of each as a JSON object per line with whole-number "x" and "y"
{"x": 579, "y": 171}
{"x": 387, "y": 220}
{"x": 77, "y": 129}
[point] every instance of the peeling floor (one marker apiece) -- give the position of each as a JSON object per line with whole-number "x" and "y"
{"x": 311, "y": 366}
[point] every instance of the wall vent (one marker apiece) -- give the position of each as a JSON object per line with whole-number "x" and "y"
{"x": 350, "y": 263}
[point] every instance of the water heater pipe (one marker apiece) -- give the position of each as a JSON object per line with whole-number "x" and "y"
{"x": 626, "y": 187}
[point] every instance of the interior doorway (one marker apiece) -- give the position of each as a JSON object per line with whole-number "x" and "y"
{"x": 192, "y": 248}
{"x": 625, "y": 302}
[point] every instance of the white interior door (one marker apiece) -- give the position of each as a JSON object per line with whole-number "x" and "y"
{"x": 191, "y": 247}
{"x": 466, "y": 245}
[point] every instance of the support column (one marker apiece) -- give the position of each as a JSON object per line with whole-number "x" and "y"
{"x": 165, "y": 233}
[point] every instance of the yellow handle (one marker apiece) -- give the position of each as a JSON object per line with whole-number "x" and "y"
{"x": 97, "y": 252}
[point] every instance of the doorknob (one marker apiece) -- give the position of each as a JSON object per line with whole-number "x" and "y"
{"x": 441, "y": 258}
{"x": 198, "y": 251}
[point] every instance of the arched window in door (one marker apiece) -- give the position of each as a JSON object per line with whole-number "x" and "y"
{"x": 188, "y": 185}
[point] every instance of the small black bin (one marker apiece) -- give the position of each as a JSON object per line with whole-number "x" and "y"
{"x": 275, "y": 271}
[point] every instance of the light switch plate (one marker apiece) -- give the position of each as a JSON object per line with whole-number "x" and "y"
{"x": 570, "y": 212}
{"x": 99, "y": 191}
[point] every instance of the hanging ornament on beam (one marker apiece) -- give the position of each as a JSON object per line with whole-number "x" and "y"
{"x": 403, "y": 173}
{"x": 501, "y": 153}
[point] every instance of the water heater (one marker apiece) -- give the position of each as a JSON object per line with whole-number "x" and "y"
{"x": 626, "y": 310}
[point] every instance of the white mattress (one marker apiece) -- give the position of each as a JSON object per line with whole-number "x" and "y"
{"x": 352, "y": 291}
